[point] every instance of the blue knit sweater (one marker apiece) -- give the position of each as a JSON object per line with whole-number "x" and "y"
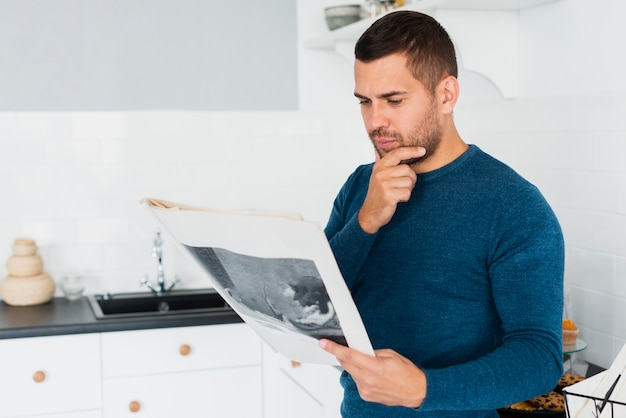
{"x": 466, "y": 281}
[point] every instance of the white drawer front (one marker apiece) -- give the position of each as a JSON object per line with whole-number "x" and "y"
{"x": 223, "y": 393}
{"x": 82, "y": 414}
{"x": 46, "y": 375}
{"x": 159, "y": 351}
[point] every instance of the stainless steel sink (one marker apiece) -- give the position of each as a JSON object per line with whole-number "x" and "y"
{"x": 129, "y": 305}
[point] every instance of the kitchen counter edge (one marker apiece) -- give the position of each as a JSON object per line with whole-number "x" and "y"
{"x": 63, "y": 317}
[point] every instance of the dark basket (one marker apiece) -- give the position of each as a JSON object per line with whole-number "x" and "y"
{"x": 608, "y": 408}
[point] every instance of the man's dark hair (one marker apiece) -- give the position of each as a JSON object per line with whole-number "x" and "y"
{"x": 426, "y": 44}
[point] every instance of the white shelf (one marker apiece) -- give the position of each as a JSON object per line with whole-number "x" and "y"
{"x": 485, "y": 33}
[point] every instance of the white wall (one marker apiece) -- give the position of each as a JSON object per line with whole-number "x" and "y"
{"x": 572, "y": 46}
{"x": 72, "y": 181}
{"x": 572, "y": 127}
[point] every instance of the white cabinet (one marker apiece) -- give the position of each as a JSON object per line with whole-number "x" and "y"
{"x": 50, "y": 375}
{"x": 202, "y": 371}
{"x": 209, "y": 371}
{"x": 300, "y": 390}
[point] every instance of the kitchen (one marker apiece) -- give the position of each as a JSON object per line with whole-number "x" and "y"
{"x": 72, "y": 178}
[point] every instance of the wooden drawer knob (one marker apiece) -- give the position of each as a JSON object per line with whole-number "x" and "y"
{"x": 134, "y": 406}
{"x": 295, "y": 364}
{"x": 184, "y": 350}
{"x": 39, "y": 376}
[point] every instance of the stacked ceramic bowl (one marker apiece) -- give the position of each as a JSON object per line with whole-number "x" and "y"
{"x": 26, "y": 283}
{"x": 339, "y": 16}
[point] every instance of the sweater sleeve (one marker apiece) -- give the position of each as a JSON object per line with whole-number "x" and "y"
{"x": 349, "y": 243}
{"x": 526, "y": 273}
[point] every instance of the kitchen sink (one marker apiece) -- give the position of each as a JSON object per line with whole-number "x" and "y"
{"x": 129, "y": 305}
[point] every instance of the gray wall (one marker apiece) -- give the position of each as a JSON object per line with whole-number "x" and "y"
{"x": 148, "y": 54}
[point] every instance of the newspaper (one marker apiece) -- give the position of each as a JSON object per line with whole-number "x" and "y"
{"x": 276, "y": 271}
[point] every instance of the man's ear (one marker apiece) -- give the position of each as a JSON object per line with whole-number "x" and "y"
{"x": 449, "y": 90}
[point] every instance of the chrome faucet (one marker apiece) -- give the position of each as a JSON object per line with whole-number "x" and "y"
{"x": 160, "y": 286}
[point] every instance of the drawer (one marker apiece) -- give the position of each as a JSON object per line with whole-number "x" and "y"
{"x": 46, "y": 375}
{"x": 223, "y": 393}
{"x": 166, "y": 350}
{"x": 82, "y": 414}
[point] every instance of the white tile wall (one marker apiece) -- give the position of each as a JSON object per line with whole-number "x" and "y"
{"x": 572, "y": 148}
{"x": 73, "y": 181}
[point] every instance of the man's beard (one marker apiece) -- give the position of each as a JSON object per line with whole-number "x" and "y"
{"x": 427, "y": 135}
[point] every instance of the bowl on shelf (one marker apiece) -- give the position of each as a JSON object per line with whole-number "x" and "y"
{"x": 338, "y": 16}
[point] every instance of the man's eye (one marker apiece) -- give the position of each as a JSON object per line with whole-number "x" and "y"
{"x": 395, "y": 101}
{"x": 364, "y": 102}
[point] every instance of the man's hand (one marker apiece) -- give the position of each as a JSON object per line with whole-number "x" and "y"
{"x": 391, "y": 183}
{"x": 388, "y": 378}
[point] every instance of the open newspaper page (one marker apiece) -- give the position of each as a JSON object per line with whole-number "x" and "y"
{"x": 277, "y": 272}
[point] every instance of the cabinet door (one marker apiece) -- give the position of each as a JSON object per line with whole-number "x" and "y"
{"x": 222, "y": 393}
{"x": 47, "y": 375}
{"x": 292, "y": 400}
{"x": 288, "y": 386}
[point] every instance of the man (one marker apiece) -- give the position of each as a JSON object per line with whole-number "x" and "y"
{"x": 454, "y": 261}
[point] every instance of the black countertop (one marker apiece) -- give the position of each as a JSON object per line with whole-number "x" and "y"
{"x": 61, "y": 316}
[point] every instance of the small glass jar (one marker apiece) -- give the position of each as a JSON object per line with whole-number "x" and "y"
{"x": 73, "y": 286}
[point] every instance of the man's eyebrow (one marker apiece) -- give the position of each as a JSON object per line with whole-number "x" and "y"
{"x": 391, "y": 94}
{"x": 381, "y": 96}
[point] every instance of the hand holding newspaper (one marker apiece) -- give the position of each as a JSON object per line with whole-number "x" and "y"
{"x": 276, "y": 271}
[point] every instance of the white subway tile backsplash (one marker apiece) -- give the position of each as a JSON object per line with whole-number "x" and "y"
{"x": 620, "y": 277}
{"x": 619, "y": 312}
{"x": 127, "y": 255}
{"x": 621, "y": 193}
{"x": 37, "y": 229}
{"x": 577, "y": 226}
{"x": 99, "y": 125}
{"x": 70, "y": 205}
{"x": 582, "y": 190}
{"x": 593, "y": 230}
{"x": 24, "y": 153}
{"x": 600, "y": 347}
{"x": 110, "y": 151}
{"x": 102, "y": 230}
{"x": 609, "y": 234}
{"x": 609, "y": 148}
{"x": 592, "y": 309}
{"x": 590, "y": 269}
{"x": 79, "y": 258}
{"x": 43, "y": 125}
{"x": 8, "y": 126}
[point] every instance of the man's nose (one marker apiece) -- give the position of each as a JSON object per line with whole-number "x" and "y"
{"x": 376, "y": 117}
